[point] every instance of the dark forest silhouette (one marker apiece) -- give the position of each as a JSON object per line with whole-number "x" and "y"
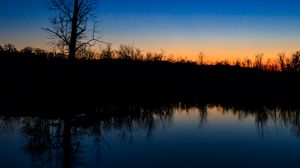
{"x": 33, "y": 77}
{"x": 124, "y": 89}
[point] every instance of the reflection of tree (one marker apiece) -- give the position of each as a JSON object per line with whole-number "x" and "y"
{"x": 280, "y": 117}
{"x": 291, "y": 118}
{"x": 261, "y": 118}
{"x": 52, "y": 142}
{"x": 202, "y": 115}
{"x": 286, "y": 118}
{"x": 56, "y": 142}
{"x": 44, "y": 141}
{"x": 8, "y": 124}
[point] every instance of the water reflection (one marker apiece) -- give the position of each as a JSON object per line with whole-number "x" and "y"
{"x": 60, "y": 141}
{"x": 282, "y": 118}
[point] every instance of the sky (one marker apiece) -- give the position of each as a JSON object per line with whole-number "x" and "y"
{"x": 220, "y": 29}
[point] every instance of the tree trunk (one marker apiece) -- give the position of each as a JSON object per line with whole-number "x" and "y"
{"x": 73, "y": 41}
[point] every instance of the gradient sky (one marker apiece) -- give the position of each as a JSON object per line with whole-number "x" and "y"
{"x": 221, "y": 29}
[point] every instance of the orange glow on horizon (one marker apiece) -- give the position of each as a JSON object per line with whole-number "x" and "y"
{"x": 212, "y": 53}
{"x": 225, "y": 54}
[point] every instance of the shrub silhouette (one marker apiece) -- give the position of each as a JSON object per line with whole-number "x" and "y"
{"x": 107, "y": 53}
{"x": 9, "y": 48}
{"x": 259, "y": 61}
{"x": 282, "y": 61}
{"x": 154, "y": 56}
{"x": 127, "y": 52}
{"x": 294, "y": 64}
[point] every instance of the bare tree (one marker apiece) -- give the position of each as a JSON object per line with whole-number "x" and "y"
{"x": 259, "y": 61}
{"x": 282, "y": 61}
{"x": 74, "y": 25}
{"x": 201, "y": 58}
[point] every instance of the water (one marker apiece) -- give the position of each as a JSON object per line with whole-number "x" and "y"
{"x": 209, "y": 136}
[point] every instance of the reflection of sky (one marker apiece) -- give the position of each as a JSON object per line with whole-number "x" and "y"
{"x": 220, "y": 28}
{"x": 222, "y": 141}
{"x": 11, "y": 146}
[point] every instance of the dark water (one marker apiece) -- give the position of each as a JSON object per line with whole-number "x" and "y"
{"x": 178, "y": 137}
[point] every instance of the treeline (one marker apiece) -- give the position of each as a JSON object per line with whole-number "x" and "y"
{"x": 125, "y": 52}
{"x": 35, "y": 79}
{"x": 282, "y": 63}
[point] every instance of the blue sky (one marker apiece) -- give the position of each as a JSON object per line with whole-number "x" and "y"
{"x": 221, "y": 29}
{"x": 187, "y": 7}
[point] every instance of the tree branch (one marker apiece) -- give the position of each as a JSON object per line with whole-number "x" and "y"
{"x": 57, "y": 34}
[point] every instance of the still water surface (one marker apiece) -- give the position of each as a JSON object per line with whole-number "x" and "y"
{"x": 179, "y": 137}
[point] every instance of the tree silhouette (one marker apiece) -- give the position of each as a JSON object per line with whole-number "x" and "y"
{"x": 74, "y": 25}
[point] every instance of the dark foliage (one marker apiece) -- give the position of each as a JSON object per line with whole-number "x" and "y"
{"x": 58, "y": 101}
{"x": 32, "y": 78}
